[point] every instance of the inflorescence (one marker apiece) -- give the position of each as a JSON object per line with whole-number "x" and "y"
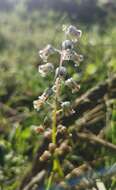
{"x": 67, "y": 53}
{"x": 61, "y": 76}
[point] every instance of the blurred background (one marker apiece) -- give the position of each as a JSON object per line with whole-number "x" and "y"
{"x": 26, "y": 26}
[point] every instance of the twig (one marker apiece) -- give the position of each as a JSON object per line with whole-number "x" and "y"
{"x": 93, "y": 138}
{"x": 90, "y": 100}
{"x": 36, "y": 180}
{"x": 85, "y": 177}
{"x": 8, "y": 109}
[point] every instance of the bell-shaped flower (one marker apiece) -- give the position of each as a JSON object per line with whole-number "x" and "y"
{"x": 46, "y": 52}
{"x": 37, "y": 104}
{"x": 67, "y": 108}
{"x": 45, "y": 69}
{"x": 72, "y": 85}
{"x": 73, "y": 32}
{"x": 42, "y": 99}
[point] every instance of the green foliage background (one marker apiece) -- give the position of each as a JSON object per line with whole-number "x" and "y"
{"x": 23, "y": 32}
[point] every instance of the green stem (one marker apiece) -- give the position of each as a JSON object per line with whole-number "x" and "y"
{"x": 57, "y": 167}
{"x": 54, "y": 125}
{"x": 56, "y": 162}
{"x": 49, "y": 184}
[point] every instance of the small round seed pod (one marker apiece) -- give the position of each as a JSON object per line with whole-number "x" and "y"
{"x": 64, "y": 129}
{"x": 45, "y": 156}
{"x": 60, "y": 72}
{"x": 48, "y": 134}
{"x": 64, "y": 147}
{"x": 52, "y": 147}
{"x": 58, "y": 152}
{"x": 61, "y": 129}
{"x": 45, "y": 69}
{"x": 67, "y": 44}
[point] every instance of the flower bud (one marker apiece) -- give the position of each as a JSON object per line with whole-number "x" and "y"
{"x": 45, "y": 69}
{"x": 46, "y": 52}
{"x": 67, "y": 44}
{"x": 72, "y": 84}
{"x": 61, "y": 72}
{"x": 45, "y": 156}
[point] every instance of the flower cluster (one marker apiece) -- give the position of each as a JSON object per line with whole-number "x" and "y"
{"x": 67, "y": 53}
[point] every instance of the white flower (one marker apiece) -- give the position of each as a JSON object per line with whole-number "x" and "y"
{"x": 37, "y": 104}
{"x": 73, "y": 32}
{"x": 42, "y": 99}
{"x": 65, "y": 104}
{"x": 45, "y": 69}
{"x": 67, "y": 108}
{"x": 72, "y": 84}
{"x": 46, "y": 52}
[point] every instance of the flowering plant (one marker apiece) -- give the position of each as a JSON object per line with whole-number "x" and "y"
{"x": 67, "y": 53}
